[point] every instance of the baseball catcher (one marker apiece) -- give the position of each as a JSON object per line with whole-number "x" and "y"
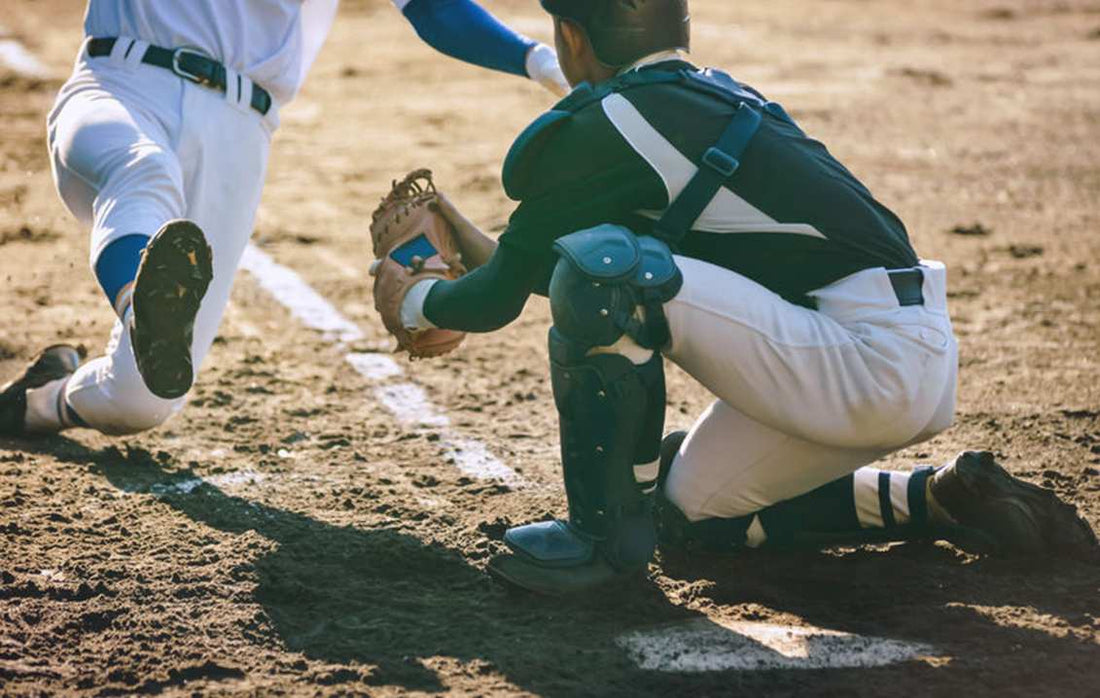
{"x": 672, "y": 212}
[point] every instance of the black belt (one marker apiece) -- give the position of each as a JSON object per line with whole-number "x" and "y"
{"x": 908, "y": 285}
{"x": 187, "y": 64}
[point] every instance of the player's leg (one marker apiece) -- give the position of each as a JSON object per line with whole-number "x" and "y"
{"x": 115, "y": 170}
{"x": 611, "y": 409}
{"x": 732, "y": 481}
{"x": 224, "y": 153}
{"x": 120, "y": 170}
{"x": 808, "y": 397}
{"x": 713, "y": 499}
{"x": 859, "y": 372}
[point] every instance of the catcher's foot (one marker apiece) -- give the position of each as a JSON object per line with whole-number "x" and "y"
{"x": 53, "y": 363}
{"x": 999, "y": 513}
{"x": 553, "y": 559}
{"x": 176, "y": 269}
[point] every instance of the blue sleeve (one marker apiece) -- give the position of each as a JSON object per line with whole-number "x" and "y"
{"x": 464, "y": 30}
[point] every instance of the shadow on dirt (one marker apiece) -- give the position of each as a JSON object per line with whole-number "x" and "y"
{"x": 383, "y": 598}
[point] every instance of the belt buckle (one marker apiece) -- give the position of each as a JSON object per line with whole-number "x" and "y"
{"x": 178, "y": 69}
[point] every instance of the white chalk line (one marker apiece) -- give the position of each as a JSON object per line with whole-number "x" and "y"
{"x": 16, "y": 57}
{"x": 405, "y": 400}
{"x": 225, "y": 481}
{"x": 707, "y": 645}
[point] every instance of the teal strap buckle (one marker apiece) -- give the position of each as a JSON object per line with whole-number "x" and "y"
{"x": 721, "y": 162}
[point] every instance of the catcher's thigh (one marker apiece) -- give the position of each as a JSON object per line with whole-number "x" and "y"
{"x": 861, "y": 372}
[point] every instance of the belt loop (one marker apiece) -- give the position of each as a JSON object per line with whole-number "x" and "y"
{"x": 236, "y": 86}
{"x": 136, "y": 52}
{"x": 118, "y": 51}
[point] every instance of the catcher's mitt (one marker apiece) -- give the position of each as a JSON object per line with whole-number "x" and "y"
{"x": 412, "y": 242}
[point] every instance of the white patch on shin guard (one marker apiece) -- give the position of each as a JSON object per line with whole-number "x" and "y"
{"x": 646, "y": 474}
{"x": 627, "y": 347}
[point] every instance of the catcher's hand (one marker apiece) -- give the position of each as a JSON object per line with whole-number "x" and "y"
{"x": 412, "y": 242}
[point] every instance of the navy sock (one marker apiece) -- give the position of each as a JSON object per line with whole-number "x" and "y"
{"x": 870, "y": 504}
{"x": 881, "y": 503}
{"x": 118, "y": 264}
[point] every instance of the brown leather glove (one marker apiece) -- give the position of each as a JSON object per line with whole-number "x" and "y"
{"x": 412, "y": 242}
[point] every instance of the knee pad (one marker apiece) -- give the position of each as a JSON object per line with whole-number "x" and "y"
{"x": 610, "y": 282}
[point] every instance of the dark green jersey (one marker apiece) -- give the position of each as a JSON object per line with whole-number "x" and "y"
{"x": 791, "y": 217}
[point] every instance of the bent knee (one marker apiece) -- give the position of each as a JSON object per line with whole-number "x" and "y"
{"x": 891, "y": 423}
{"x": 119, "y": 406}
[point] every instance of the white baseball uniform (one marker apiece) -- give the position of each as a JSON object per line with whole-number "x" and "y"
{"x": 134, "y": 145}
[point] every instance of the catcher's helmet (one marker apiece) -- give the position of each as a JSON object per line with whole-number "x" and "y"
{"x": 623, "y": 31}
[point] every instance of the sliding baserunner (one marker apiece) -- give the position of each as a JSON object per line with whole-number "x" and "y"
{"x": 159, "y": 142}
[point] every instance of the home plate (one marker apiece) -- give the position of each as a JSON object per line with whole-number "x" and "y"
{"x": 708, "y": 645}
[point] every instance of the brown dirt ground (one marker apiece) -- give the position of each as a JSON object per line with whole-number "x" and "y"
{"x": 350, "y": 558}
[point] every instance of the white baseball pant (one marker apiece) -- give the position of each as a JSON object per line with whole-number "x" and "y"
{"x": 804, "y": 396}
{"x": 132, "y": 147}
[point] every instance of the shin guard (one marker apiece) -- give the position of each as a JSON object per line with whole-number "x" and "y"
{"x": 604, "y": 409}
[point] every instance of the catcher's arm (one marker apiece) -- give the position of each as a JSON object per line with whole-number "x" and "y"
{"x": 484, "y": 300}
{"x": 476, "y": 246}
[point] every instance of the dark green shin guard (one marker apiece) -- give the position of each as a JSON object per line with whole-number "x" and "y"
{"x": 602, "y": 408}
{"x": 611, "y": 413}
{"x": 608, "y": 284}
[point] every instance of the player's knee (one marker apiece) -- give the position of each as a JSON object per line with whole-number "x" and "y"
{"x": 582, "y": 308}
{"x": 136, "y": 410}
{"x": 609, "y": 284}
{"x": 120, "y": 406}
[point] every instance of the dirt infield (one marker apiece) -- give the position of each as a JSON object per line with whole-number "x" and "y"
{"x": 289, "y": 534}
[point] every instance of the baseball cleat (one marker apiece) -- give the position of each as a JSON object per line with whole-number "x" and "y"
{"x": 518, "y": 573}
{"x": 1004, "y": 514}
{"x": 554, "y": 558}
{"x": 176, "y": 269}
{"x": 52, "y": 363}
